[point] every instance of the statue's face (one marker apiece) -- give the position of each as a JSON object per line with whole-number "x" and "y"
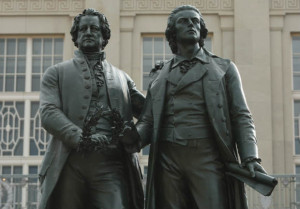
{"x": 187, "y": 26}
{"x": 89, "y": 37}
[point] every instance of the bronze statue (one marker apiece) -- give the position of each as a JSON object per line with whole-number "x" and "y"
{"x": 83, "y": 102}
{"x": 197, "y": 121}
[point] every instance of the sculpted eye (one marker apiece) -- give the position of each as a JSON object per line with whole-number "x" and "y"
{"x": 81, "y": 29}
{"x": 196, "y": 20}
{"x": 95, "y": 28}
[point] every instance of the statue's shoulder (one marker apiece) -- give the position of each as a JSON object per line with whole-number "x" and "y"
{"x": 159, "y": 64}
{"x": 221, "y": 62}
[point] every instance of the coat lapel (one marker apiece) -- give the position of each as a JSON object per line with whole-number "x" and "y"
{"x": 110, "y": 80}
{"x": 193, "y": 75}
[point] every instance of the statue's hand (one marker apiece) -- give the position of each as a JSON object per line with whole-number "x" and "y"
{"x": 100, "y": 139}
{"x": 253, "y": 166}
{"x": 130, "y": 138}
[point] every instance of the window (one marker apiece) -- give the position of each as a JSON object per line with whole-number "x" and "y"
{"x": 11, "y": 187}
{"x": 156, "y": 48}
{"x": 23, "y": 60}
{"x": 296, "y": 62}
{"x": 20, "y": 56}
{"x": 297, "y": 126}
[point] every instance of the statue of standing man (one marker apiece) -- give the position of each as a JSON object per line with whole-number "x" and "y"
{"x": 197, "y": 120}
{"x": 75, "y": 174}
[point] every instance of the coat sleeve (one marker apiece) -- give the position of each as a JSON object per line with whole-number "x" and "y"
{"x": 52, "y": 117}
{"x": 144, "y": 125}
{"x": 136, "y": 97}
{"x": 242, "y": 125}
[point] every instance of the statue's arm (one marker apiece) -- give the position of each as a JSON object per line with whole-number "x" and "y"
{"x": 52, "y": 118}
{"x": 136, "y": 97}
{"x": 144, "y": 125}
{"x": 243, "y": 129}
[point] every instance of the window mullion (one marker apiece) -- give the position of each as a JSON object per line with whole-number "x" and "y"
{"x": 28, "y": 65}
{"x": 27, "y": 101}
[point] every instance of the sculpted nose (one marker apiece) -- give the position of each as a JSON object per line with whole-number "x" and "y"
{"x": 88, "y": 30}
{"x": 190, "y": 22}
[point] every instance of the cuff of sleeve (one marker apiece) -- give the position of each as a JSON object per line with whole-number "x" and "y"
{"x": 251, "y": 159}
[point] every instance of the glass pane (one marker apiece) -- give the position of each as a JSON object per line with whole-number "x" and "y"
{"x": 21, "y": 64}
{"x": 146, "y": 150}
{"x": 11, "y": 46}
{"x": 296, "y": 80}
{"x": 58, "y": 46}
{"x": 22, "y": 46}
{"x": 158, "y": 46}
{"x": 167, "y": 48}
{"x": 1, "y": 65}
{"x": 17, "y": 170}
{"x": 147, "y": 45}
{"x": 36, "y": 64}
{"x": 47, "y": 62}
{"x": 20, "y": 108}
{"x": 33, "y": 170}
{"x": 2, "y": 42}
{"x": 21, "y": 83}
{"x": 297, "y": 108}
{"x": 33, "y": 148}
{"x": 34, "y": 108}
{"x": 207, "y": 43}
{"x": 47, "y": 46}
{"x": 296, "y": 127}
{"x": 10, "y": 64}
{"x": 37, "y": 46}
{"x": 35, "y": 83}
{"x": 9, "y": 83}
{"x": 145, "y": 170}
{"x": 1, "y": 84}
{"x": 296, "y": 44}
{"x": 6, "y": 170}
{"x": 147, "y": 63}
{"x": 296, "y": 63}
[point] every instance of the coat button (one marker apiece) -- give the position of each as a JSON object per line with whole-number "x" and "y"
{"x": 87, "y": 77}
{"x": 87, "y": 86}
{"x": 86, "y": 96}
{"x": 84, "y": 69}
{"x": 82, "y": 62}
{"x": 220, "y": 105}
{"x": 223, "y": 119}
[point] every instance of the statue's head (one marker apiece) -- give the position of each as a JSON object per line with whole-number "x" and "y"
{"x": 90, "y": 31}
{"x": 185, "y": 23}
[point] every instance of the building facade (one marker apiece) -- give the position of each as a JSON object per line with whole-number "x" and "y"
{"x": 261, "y": 36}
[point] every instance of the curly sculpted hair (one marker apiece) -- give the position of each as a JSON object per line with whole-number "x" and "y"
{"x": 104, "y": 26}
{"x": 171, "y": 31}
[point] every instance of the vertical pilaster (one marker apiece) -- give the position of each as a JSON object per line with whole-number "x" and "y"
{"x": 252, "y": 56}
{"x": 127, "y": 23}
{"x": 276, "y": 26}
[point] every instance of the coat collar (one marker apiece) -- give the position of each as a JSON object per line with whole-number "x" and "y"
{"x": 81, "y": 57}
{"x": 200, "y": 55}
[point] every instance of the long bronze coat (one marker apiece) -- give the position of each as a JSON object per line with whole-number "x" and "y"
{"x": 64, "y": 101}
{"x": 228, "y": 113}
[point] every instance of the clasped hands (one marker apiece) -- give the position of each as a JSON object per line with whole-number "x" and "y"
{"x": 130, "y": 138}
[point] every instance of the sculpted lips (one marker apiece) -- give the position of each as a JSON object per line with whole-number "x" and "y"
{"x": 192, "y": 30}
